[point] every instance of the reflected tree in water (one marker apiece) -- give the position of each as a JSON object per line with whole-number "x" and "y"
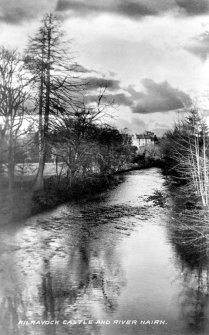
{"x": 12, "y": 309}
{"x": 47, "y": 298}
{"x": 190, "y": 236}
{"x": 87, "y": 277}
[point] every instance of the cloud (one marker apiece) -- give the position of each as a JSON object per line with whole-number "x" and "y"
{"x": 83, "y": 69}
{"x": 193, "y": 7}
{"x": 159, "y": 132}
{"x": 113, "y": 93}
{"x": 78, "y": 7}
{"x": 15, "y": 15}
{"x": 161, "y": 125}
{"x": 15, "y": 12}
{"x": 134, "y": 8}
{"x": 133, "y": 125}
{"x": 200, "y": 46}
{"x": 134, "y": 94}
{"x": 156, "y": 97}
{"x": 95, "y": 83}
{"x": 138, "y": 125}
{"x": 118, "y": 99}
{"x": 160, "y": 97}
{"x": 128, "y": 8}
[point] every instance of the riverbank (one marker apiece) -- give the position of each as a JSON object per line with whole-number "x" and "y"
{"x": 26, "y": 202}
{"x": 55, "y": 194}
{"x": 183, "y": 191}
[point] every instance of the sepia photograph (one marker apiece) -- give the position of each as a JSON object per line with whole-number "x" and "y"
{"x": 104, "y": 167}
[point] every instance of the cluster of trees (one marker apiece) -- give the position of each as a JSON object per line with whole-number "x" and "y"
{"x": 43, "y": 114}
{"x": 186, "y": 154}
{"x": 84, "y": 148}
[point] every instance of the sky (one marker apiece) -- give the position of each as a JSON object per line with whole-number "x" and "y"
{"x": 151, "y": 54}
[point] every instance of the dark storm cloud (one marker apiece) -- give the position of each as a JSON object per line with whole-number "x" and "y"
{"x": 120, "y": 99}
{"x": 94, "y": 83}
{"x": 160, "y": 97}
{"x": 134, "y": 8}
{"x": 200, "y": 47}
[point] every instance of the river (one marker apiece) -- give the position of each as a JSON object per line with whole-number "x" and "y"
{"x": 87, "y": 268}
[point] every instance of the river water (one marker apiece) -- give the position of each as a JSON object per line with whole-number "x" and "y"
{"x": 89, "y": 266}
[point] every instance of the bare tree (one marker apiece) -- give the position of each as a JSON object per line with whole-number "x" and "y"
{"x": 188, "y": 148}
{"x": 14, "y": 96}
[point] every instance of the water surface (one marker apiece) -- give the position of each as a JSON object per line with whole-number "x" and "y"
{"x": 114, "y": 257}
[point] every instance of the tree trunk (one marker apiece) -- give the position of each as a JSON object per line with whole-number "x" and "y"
{"x": 11, "y": 172}
{"x": 39, "y": 183}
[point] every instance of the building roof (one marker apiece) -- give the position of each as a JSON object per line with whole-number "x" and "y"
{"x": 143, "y": 136}
{"x": 146, "y": 135}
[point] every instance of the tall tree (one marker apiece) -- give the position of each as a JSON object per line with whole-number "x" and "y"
{"x": 56, "y": 80}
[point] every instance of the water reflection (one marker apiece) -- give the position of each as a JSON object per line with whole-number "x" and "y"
{"x": 189, "y": 233}
{"x": 47, "y": 298}
{"x": 70, "y": 268}
{"x": 9, "y": 315}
